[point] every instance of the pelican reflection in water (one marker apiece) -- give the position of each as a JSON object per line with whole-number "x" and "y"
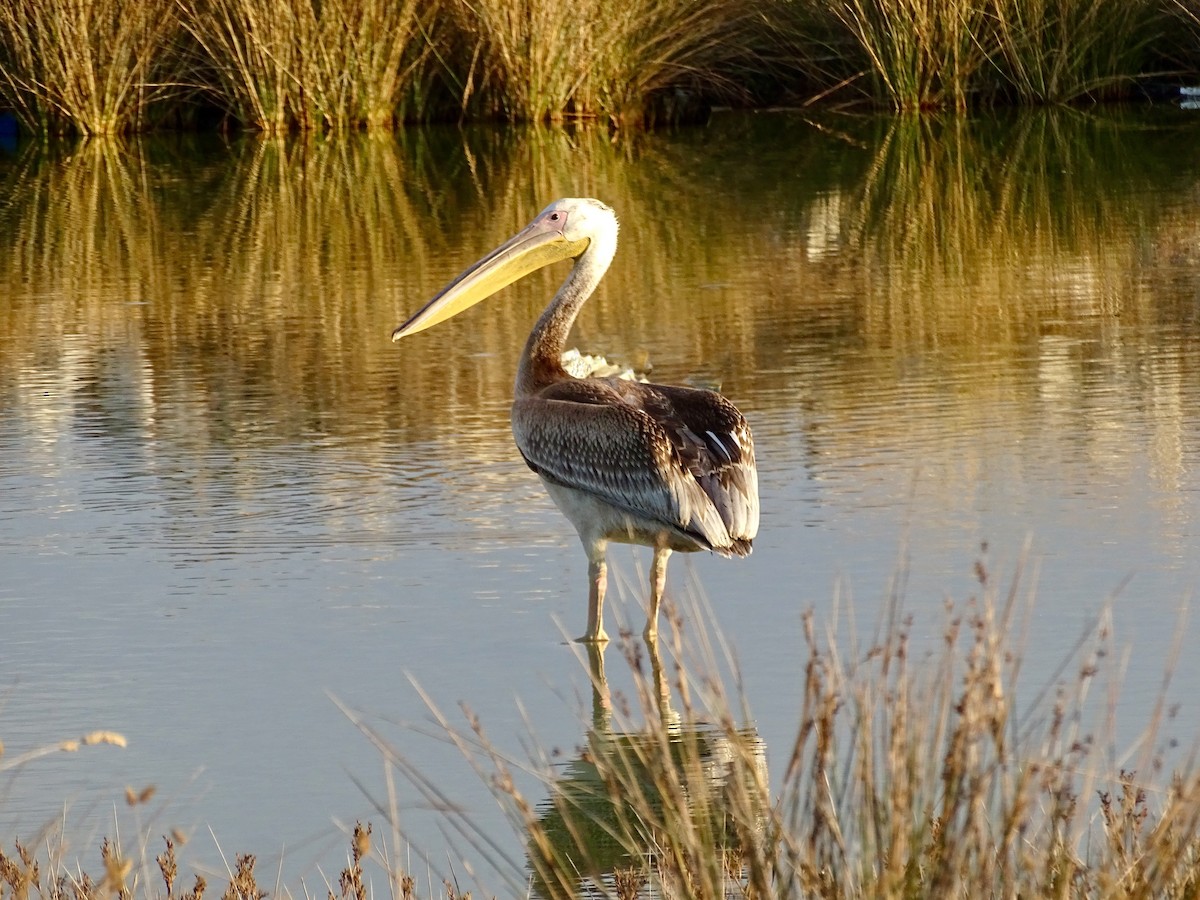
{"x": 668, "y": 467}
{"x": 648, "y": 788}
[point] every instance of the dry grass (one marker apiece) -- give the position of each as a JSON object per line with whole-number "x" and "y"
{"x": 71, "y": 745}
{"x": 24, "y": 876}
{"x": 912, "y": 774}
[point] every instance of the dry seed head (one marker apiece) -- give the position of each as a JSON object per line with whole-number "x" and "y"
{"x": 166, "y": 865}
{"x": 628, "y": 883}
{"x": 362, "y": 841}
{"x": 104, "y": 737}
{"x": 116, "y": 870}
{"x": 134, "y": 798}
{"x": 243, "y": 885}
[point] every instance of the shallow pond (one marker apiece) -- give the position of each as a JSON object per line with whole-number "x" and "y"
{"x": 226, "y": 498}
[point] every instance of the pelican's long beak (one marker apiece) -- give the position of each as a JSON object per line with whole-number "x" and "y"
{"x": 539, "y": 244}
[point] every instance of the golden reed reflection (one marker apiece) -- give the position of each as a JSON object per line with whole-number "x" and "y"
{"x": 984, "y": 284}
{"x": 674, "y": 805}
{"x": 847, "y": 270}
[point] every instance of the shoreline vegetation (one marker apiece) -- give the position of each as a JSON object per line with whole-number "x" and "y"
{"x": 276, "y": 66}
{"x": 915, "y": 771}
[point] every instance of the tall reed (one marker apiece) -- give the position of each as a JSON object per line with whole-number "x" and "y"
{"x": 919, "y": 53}
{"x": 99, "y": 67}
{"x": 1055, "y": 51}
{"x": 88, "y": 68}
{"x": 311, "y": 64}
{"x": 536, "y": 60}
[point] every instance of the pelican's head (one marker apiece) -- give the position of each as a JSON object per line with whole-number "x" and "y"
{"x": 565, "y": 229}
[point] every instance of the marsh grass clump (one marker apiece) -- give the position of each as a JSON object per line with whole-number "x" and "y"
{"x": 914, "y": 774}
{"x": 919, "y": 53}
{"x": 21, "y": 877}
{"x": 351, "y": 880}
{"x": 168, "y": 866}
{"x": 543, "y": 60}
{"x": 20, "y": 873}
{"x": 1055, "y": 51}
{"x": 280, "y": 65}
{"x": 935, "y": 54}
{"x": 93, "y": 68}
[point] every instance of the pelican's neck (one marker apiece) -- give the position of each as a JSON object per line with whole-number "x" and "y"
{"x": 541, "y": 363}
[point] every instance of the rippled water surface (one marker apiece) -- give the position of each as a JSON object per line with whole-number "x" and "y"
{"x": 226, "y": 497}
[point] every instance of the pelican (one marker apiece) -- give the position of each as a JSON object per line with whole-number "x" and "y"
{"x": 667, "y": 467}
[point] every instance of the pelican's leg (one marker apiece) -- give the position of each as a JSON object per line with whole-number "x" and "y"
{"x": 597, "y": 583}
{"x": 658, "y": 583}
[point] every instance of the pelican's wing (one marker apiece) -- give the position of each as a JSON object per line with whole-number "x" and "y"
{"x": 621, "y": 442}
{"x": 714, "y": 441}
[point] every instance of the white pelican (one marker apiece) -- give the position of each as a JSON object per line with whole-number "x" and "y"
{"x": 668, "y": 467}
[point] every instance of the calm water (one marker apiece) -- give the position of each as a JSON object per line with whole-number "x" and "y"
{"x": 225, "y": 495}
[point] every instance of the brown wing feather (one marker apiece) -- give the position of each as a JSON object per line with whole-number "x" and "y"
{"x": 714, "y": 441}
{"x": 679, "y": 456}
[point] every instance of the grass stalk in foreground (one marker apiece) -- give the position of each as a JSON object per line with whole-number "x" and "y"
{"x": 914, "y": 772}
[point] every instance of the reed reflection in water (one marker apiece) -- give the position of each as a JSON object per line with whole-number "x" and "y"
{"x": 224, "y": 491}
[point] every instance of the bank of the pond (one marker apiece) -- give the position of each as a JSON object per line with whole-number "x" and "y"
{"x": 109, "y": 66}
